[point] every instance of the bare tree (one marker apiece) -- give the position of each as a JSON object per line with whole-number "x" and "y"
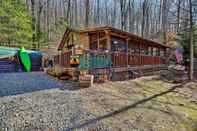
{"x": 39, "y": 23}
{"x": 149, "y": 18}
{"x": 87, "y": 11}
{"x": 191, "y": 42}
{"x": 178, "y": 15}
{"x": 33, "y": 24}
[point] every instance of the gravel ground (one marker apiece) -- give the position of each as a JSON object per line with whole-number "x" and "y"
{"x": 20, "y": 83}
{"x": 37, "y": 102}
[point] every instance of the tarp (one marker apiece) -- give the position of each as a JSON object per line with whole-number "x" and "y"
{"x": 6, "y": 52}
{"x": 9, "y": 65}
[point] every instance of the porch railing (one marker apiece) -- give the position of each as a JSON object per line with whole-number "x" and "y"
{"x": 98, "y": 59}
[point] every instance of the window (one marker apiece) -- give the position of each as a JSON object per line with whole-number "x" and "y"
{"x": 118, "y": 45}
{"x": 103, "y": 45}
{"x": 93, "y": 46}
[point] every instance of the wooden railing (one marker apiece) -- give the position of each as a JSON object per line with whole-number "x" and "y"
{"x": 118, "y": 59}
{"x": 63, "y": 59}
{"x": 124, "y": 59}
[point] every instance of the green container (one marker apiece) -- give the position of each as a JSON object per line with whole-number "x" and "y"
{"x": 88, "y": 61}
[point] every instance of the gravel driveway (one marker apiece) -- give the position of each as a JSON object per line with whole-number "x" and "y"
{"x": 20, "y": 83}
{"x": 38, "y": 102}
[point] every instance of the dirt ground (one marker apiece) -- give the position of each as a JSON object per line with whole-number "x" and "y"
{"x": 143, "y": 104}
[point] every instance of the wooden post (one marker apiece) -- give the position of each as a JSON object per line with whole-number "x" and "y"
{"x": 140, "y": 53}
{"x": 158, "y": 55}
{"x": 109, "y": 56}
{"x": 152, "y": 56}
{"x": 165, "y": 56}
{"x": 98, "y": 40}
{"x": 88, "y": 41}
{"x": 127, "y": 51}
{"x": 108, "y": 40}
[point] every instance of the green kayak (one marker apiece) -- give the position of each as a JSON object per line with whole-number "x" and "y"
{"x": 25, "y": 60}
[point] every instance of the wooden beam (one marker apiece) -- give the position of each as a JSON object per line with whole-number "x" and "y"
{"x": 100, "y": 39}
{"x": 89, "y": 40}
{"x": 97, "y": 39}
{"x": 108, "y": 36}
{"x": 118, "y": 35}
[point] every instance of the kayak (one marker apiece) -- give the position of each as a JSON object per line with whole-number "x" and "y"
{"x": 25, "y": 60}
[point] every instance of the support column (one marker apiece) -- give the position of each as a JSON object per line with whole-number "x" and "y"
{"x": 140, "y": 46}
{"x": 109, "y": 54}
{"x": 127, "y": 50}
{"x": 108, "y": 40}
{"x": 98, "y": 40}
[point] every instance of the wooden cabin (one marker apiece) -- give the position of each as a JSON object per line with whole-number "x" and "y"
{"x": 110, "y": 53}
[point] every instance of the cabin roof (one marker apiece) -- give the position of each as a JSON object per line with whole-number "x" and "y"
{"x": 120, "y": 32}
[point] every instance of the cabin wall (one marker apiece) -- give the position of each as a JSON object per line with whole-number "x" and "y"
{"x": 83, "y": 40}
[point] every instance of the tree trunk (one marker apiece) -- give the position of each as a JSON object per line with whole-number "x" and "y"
{"x": 33, "y": 24}
{"x": 131, "y": 16}
{"x": 164, "y": 20}
{"x": 143, "y": 18}
{"x": 191, "y": 42}
{"x": 114, "y": 14}
{"x": 68, "y": 10}
{"x": 87, "y": 11}
{"x": 38, "y": 24}
{"x": 48, "y": 23}
{"x": 98, "y": 12}
{"x": 76, "y": 13}
{"x": 178, "y": 15}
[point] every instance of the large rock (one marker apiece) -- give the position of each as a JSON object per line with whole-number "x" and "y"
{"x": 178, "y": 73}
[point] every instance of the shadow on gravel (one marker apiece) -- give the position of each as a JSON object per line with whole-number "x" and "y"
{"x": 126, "y": 108}
{"x": 20, "y": 83}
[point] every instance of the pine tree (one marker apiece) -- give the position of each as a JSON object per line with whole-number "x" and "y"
{"x": 15, "y": 23}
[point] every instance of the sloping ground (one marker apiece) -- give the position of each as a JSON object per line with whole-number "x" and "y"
{"x": 143, "y": 104}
